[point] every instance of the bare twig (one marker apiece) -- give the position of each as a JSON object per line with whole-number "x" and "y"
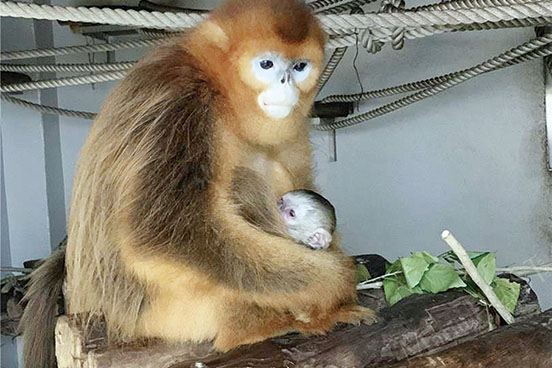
{"x": 466, "y": 261}
{"x": 369, "y": 285}
{"x": 374, "y": 282}
{"x": 16, "y": 269}
{"x": 526, "y": 270}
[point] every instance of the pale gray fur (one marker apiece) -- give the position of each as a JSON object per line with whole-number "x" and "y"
{"x": 314, "y": 220}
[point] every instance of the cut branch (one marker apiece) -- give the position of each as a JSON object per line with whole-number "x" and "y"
{"x": 470, "y": 268}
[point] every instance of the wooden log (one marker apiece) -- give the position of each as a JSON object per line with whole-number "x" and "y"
{"x": 525, "y": 344}
{"x": 418, "y": 324}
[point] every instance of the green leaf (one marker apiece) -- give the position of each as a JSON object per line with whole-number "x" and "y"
{"x": 413, "y": 268}
{"x": 390, "y": 286}
{"x": 418, "y": 290}
{"x": 507, "y": 292}
{"x": 394, "y": 267}
{"x": 449, "y": 257}
{"x": 475, "y": 293}
{"x": 394, "y": 287}
{"x": 427, "y": 256}
{"x": 485, "y": 264}
{"x": 474, "y": 255}
{"x": 401, "y": 293}
{"x": 440, "y": 277}
{"x": 8, "y": 283}
{"x": 362, "y": 273}
{"x": 395, "y": 291}
{"x": 6, "y": 288}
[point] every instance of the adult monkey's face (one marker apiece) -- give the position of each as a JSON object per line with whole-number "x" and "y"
{"x": 265, "y": 58}
{"x": 280, "y": 77}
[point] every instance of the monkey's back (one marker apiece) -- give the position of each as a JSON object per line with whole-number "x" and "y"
{"x": 107, "y": 185}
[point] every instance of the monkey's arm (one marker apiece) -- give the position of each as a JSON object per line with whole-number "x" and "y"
{"x": 201, "y": 227}
{"x": 256, "y": 202}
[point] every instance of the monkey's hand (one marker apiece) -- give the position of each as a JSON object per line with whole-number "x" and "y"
{"x": 319, "y": 239}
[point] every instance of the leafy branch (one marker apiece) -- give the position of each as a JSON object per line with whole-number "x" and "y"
{"x": 423, "y": 273}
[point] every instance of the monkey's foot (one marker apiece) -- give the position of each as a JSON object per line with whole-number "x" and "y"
{"x": 232, "y": 339}
{"x": 320, "y": 324}
{"x": 355, "y": 314}
{"x": 250, "y": 324}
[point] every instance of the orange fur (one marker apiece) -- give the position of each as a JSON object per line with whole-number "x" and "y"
{"x": 156, "y": 242}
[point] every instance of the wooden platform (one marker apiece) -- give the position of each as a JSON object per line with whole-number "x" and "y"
{"x": 450, "y": 326}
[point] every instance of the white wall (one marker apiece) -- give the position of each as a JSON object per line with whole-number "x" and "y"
{"x": 27, "y": 228}
{"x": 471, "y": 159}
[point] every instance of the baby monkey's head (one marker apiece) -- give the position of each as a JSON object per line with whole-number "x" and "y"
{"x": 309, "y": 218}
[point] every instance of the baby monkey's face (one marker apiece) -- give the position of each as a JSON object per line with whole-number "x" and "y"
{"x": 308, "y": 220}
{"x": 293, "y": 209}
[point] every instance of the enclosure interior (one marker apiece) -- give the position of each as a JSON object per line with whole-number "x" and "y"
{"x": 472, "y": 159}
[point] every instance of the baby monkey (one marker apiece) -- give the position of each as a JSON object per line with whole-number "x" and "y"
{"x": 301, "y": 215}
{"x": 309, "y": 218}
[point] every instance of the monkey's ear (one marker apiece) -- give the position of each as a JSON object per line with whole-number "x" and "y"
{"x": 213, "y": 34}
{"x": 319, "y": 239}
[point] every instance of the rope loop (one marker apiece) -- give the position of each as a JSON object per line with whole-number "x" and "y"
{"x": 368, "y": 41}
{"x": 395, "y": 6}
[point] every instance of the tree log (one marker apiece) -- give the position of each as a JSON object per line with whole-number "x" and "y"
{"x": 420, "y": 324}
{"x": 523, "y": 344}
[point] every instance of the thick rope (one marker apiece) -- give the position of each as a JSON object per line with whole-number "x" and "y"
{"x": 119, "y": 73}
{"x": 102, "y": 47}
{"x": 319, "y": 4}
{"x": 437, "y": 81}
{"x": 527, "y": 51}
{"x": 470, "y": 4}
{"x": 35, "y": 53}
{"x": 336, "y": 57}
{"x": 373, "y": 39}
{"x": 395, "y": 6}
{"x": 121, "y": 17}
{"x": 64, "y": 82}
{"x": 157, "y": 33}
{"x": 435, "y": 85}
{"x": 71, "y": 68}
{"x": 497, "y": 13}
{"x": 331, "y": 65}
{"x": 111, "y": 76}
{"x": 415, "y": 86}
{"x": 540, "y": 31}
{"x": 350, "y": 40}
{"x": 338, "y": 24}
{"x": 339, "y": 8}
{"x": 105, "y": 77}
{"x": 369, "y": 39}
{"x": 48, "y": 109}
{"x": 344, "y": 23}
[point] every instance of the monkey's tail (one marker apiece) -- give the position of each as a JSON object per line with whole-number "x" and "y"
{"x": 39, "y": 317}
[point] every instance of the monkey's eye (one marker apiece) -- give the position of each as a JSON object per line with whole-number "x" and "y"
{"x": 291, "y": 213}
{"x": 266, "y": 64}
{"x": 300, "y": 66}
{"x": 301, "y": 70}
